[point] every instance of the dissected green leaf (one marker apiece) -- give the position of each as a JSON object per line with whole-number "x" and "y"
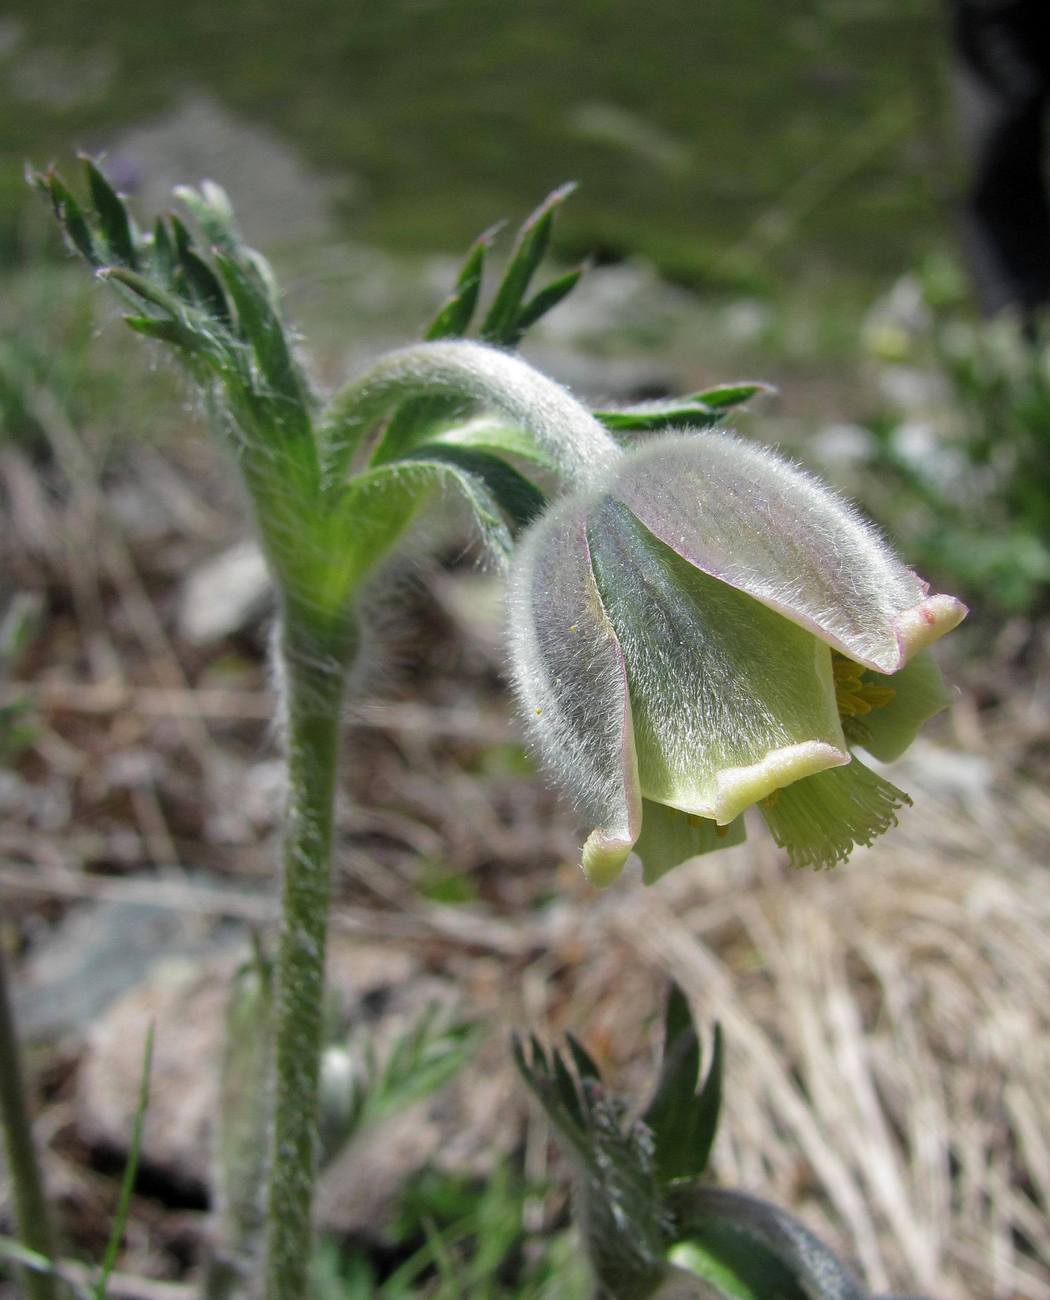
{"x": 163, "y": 250}
{"x": 582, "y": 1059}
{"x": 375, "y": 508}
{"x": 264, "y": 330}
{"x": 669, "y": 1114}
{"x": 164, "y": 330}
{"x": 519, "y": 498}
{"x": 708, "y": 1107}
{"x": 68, "y": 211}
{"x": 545, "y": 300}
{"x": 683, "y": 1123}
{"x": 650, "y": 417}
{"x": 486, "y": 433}
{"x": 112, "y": 216}
{"x": 724, "y": 396}
{"x": 146, "y": 289}
{"x": 457, "y": 311}
{"x": 211, "y": 208}
{"x": 695, "y": 409}
{"x": 532, "y": 243}
{"x": 204, "y": 286}
{"x": 568, "y": 1094}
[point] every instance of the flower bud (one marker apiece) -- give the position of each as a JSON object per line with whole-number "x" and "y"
{"x": 707, "y": 627}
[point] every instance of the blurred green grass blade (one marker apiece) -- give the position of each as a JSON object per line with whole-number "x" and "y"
{"x": 127, "y": 1186}
{"x": 19, "y": 624}
{"x": 112, "y": 216}
{"x": 519, "y": 498}
{"x": 529, "y": 250}
{"x": 456, "y": 313}
{"x": 31, "y": 1259}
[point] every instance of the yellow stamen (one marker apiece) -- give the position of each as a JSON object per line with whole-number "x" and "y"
{"x": 857, "y": 691}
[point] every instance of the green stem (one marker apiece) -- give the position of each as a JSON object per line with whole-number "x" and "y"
{"x": 470, "y": 374}
{"x": 315, "y": 659}
{"x": 34, "y": 1222}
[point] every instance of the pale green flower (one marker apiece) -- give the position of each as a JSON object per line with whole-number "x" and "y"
{"x": 706, "y": 627}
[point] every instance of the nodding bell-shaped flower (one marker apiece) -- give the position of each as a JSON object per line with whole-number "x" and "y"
{"x": 706, "y": 627}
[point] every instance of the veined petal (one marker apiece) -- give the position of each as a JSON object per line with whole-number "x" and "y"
{"x": 670, "y": 837}
{"x": 919, "y": 691}
{"x": 766, "y": 527}
{"x": 730, "y": 701}
{"x": 570, "y": 678}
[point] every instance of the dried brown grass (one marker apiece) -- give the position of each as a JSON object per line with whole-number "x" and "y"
{"x": 889, "y": 1032}
{"x": 888, "y": 1023}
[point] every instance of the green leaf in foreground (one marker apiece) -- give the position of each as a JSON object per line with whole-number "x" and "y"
{"x": 683, "y": 1122}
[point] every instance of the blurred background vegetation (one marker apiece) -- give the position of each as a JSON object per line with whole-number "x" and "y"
{"x": 785, "y": 171}
{"x": 726, "y": 143}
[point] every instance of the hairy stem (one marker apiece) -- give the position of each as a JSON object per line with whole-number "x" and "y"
{"x": 34, "y": 1221}
{"x": 475, "y": 375}
{"x": 315, "y": 663}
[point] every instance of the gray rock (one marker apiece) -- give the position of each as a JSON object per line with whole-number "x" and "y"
{"x": 97, "y": 955}
{"x": 223, "y": 595}
{"x": 278, "y": 199}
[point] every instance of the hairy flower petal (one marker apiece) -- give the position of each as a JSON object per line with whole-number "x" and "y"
{"x": 707, "y": 628}
{"x": 670, "y": 837}
{"x": 762, "y": 525}
{"x": 730, "y": 701}
{"x": 919, "y": 691}
{"x": 572, "y": 683}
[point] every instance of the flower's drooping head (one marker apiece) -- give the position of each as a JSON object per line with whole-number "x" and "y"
{"x": 708, "y": 627}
